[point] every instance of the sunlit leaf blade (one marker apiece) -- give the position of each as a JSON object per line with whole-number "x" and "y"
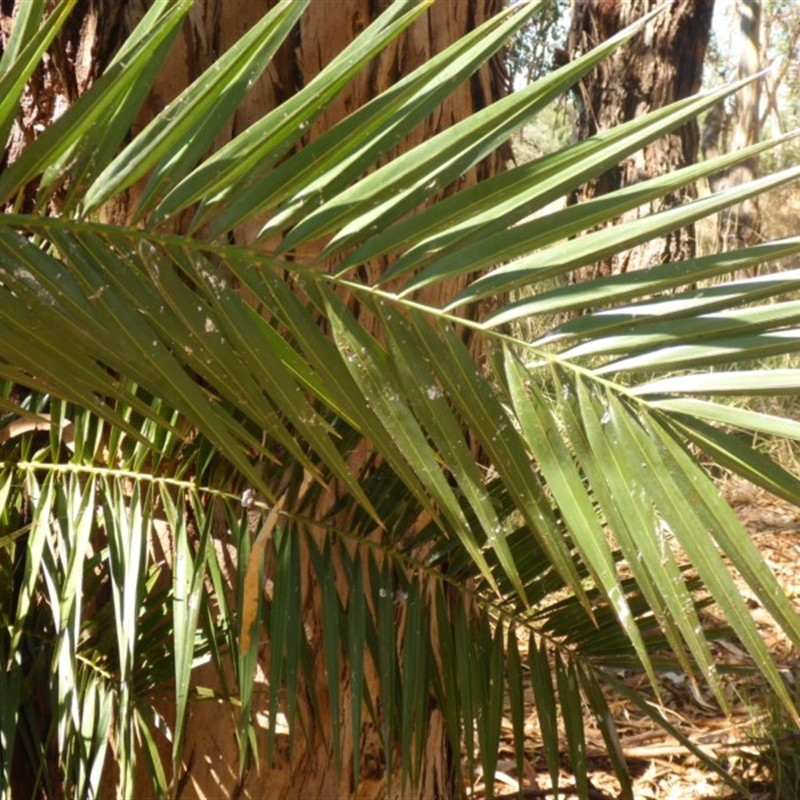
{"x": 503, "y": 200}
{"x": 35, "y": 346}
{"x": 696, "y": 516}
{"x": 506, "y": 244}
{"x": 541, "y": 430}
{"x": 734, "y": 416}
{"x": 76, "y": 512}
{"x": 690, "y": 339}
{"x": 593, "y": 247}
{"x": 660, "y": 279}
{"x": 683, "y": 339}
{"x": 188, "y": 573}
{"x": 26, "y": 30}
{"x": 429, "y": 404}
{"x": 126, "y": 529}
{"x": 135, "y": 65}
{"x": 652, "y": 489}
{"x": 213, "y": 353}
{"x": 96, "y": 718}
{"x": 741, "y": 458}
{"x": 176, "y": 138}
{"x": 730, "y": 535}
{"x": 152, "y": 757}
{"x": 385, "y": 398}
{"x": 489, "y": 422}
{"x": 338, "y": 156}
{"x": 139, "y": 344}
{"x": 713, "y": 353}
{"x": 633, "y": 523}
{"x": 412, "y": 177}
{"x": 84, "y": 164}
{"x": 734, "y": 382}
{"x": 223, "y": 177}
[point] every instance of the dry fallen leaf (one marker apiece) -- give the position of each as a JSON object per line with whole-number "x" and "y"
{"x": 252, "y": 582}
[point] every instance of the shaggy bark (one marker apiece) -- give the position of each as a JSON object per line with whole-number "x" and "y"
{"x": 657, "y": 67}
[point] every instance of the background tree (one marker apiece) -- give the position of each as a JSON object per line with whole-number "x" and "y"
{"x": 747, "y": 131}
{"x": 530, "y": 55}
{"x": 738, "y": 126}
{"x": 661, "y": 67}
{"x": 780, "y": 26}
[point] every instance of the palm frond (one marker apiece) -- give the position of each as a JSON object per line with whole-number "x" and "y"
{"x": 434, "y": 497}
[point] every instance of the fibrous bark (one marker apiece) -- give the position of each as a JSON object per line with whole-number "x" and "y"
{"x": 657, "y": 67}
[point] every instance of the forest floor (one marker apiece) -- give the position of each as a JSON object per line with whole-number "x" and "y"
{"x": 754, "y": 744}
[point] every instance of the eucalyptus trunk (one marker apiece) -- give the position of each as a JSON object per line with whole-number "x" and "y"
{"x": 211, "y": 752}
{"x": 741, "y": 224}
{"x": 664, "y": 65}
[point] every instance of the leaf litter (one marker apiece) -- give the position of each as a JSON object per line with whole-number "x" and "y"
{"x": 758, "y": 747}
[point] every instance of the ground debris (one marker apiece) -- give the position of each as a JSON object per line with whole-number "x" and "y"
{"x": 747, "y": 741}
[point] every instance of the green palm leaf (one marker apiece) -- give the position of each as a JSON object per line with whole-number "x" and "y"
{"x": 416, "y": 468}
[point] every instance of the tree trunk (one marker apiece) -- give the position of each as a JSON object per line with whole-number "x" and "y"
{"x": 780, "y": 29}
{"x": 211, "y": 755}
{"x": 740, "y": 224}
{"x": 733, "y": 130}
{"x": 657, "y": 67}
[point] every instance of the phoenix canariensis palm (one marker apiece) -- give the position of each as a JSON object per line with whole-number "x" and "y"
{"x": 279, "y": 474}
